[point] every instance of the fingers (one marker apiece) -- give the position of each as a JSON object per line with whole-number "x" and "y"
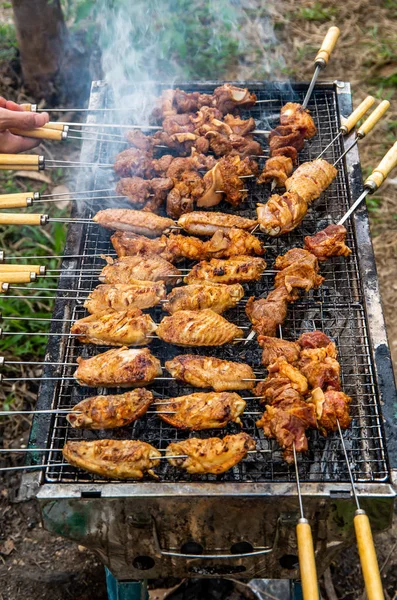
{"x": 13, "y": 144}
{"x": 10, "y": 105}
{"x": 21, "y": 119}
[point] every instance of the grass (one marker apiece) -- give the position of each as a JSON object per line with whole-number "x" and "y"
{"x": 319, "y": 12}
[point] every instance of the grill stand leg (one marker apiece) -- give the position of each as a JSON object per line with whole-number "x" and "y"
{"x": 129, "y": 590}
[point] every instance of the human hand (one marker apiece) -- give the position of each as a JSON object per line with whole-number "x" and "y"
{"x": 13, "y": 116}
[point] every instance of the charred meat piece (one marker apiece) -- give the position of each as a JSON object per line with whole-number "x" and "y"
{"x": 114, "y": 459}
{"x": 314, "y": 339}
{"x": 160, "y": 166}
{"x": 311, "y": 179}
{"x": 331, "y": 406}
{"x": 181, "y": 123}
{"x": 277, "y": 169}
{"x": 281, "y": 214}
{"x": 320, "y": 367}
{"x": 295, "y": 115}
{"x": 232, "y": 270}
{"x": 208, "y": 371}
{"x": 266, "y": 314}
{"x": 217, "y": 297}
{"x": 202, "y": 410}
{"x": 131, "y": 244}
{"x": 299, "y": 270}
{"x": 227, "y": 98}
{"x": 197, "y": 328}
{"x": 135, "y": 221}
{"x": 122, "y": 296}
{"x": 139, "y": 140}
{"x": 208, "y": 223}
{"x": 133, "y": 162}
{"x": 286, "y": 140}
{"x": 211, "y": 455}
{"x": 181, "y": 198}
{"x": 121, "y": 367}
{"x": 222, "y": 144}
{"x": 240, "y": 126}
{"x": 146, "y": 268}
{"x": 231, "y": 169}
{"x": 110, "y": 412}
{"x": 274, "y": 348}
{"x": 136, "y": 189}
{"x": 328, "y": 242}
{"x": 115, "y": 328}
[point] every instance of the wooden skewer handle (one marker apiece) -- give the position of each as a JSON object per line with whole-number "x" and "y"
{"x": 357, "y": 114}
{"x": 373, "y": 118}
{"x": 41, "y": 133}
{"x": 19, "y": 159}
{"x": 29, "y": 107}
{"x": 19, "y": 168}
{"x": 307, "y": 562}
{"x": 386, "y": 165}
{"x": 24, "y": 277}
{"x": 54, "y": 125}
{"x": 329, "y": 43}
{"x": 22, "y": 219}
{"x": 9, "y": 268}
{"x": 369, "y": 562}
{"x": 16, "y": 200}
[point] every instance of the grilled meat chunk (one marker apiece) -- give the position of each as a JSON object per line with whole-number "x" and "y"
{"x": 228, "y": 97}
{"x": 130, "y": 244}
{"x": 146, "y": 268}
{"x": 110, "y": 412}
{"x": 124, "y": 296}
{"x": 281, "y": 378}
{"x": 138, "y": 139}
{"x": 135, "y": 221}
{"x": 218, "y": 297}
{"x": 299, "y": 270}
{"x": 277, "y": 169}
{"x": 274, "y": 348}
{"x": 133, "y": 162}
{"x": 136, "y": 189}
{"x": 328, "y": 242}
{"x": 233, "y": 243}
{"x": 225, "y": 176}
{"x": 202, "y": 410}
{"x": 295, "y": 115}
{"x": 281, "y": 214}
{"x": 266, "y": 314}
{"x": 314, "y": 339}
{"x": 184, "y": 246}
{"x": 115, "y": 328}
{"x": 311, "y": 179}
{"x": 211, "y": 455}
{"x": 320, "y": 367}
{"x": 222, "y": 144}
{"x": 208, "y": 371}
{"x": 197, "y": 328}
{"x": 114, "y": 459}
{"x": 181, "y": 198}
{"x": 208, "y": 223}
{"x": 121, "y": 367}
{"x": 331, "y": 406}
{"x": 233, "y": 270}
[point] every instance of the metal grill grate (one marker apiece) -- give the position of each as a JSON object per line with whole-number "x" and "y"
{"x": 336, "y": 308}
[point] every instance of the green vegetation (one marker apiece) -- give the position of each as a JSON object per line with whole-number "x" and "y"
{"x": 8, "y": 42}
{"x": 318, "y": 12}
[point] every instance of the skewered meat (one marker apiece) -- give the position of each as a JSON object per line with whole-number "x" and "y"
{"x": 225, "y": 176}
{"x": 118, "y": 459}
{"x": 233, "y": 270}
{"x": 197, "y": 328}
{"x": 221, "y": 144}
{"x": 136, "y": 189}
{"x": 281, "y": 374}
{"x": 328, "y": 242}
{"x": 211, "y": 455}
{"x": 240, "y": 126}
{"x": 294, "y": 114}
{"x": 130, "y": 244}
{"x": 202, "y": 410}
{"x": 132, "y": 162}
{"x": 208, "y": 371}
{"x": 146, "y": 268}
{"x": 109, "y": 412}
{"x": 234, "y": 242}
{"x": 314, "y": 339}
{"x": 228, "y": 97}
{"x": 278, "y": 169}
{"x": 121, "y": 367}
{"x": 296, "y": 256}
{"x": 181, "y": 198}
{"x": 300, "y": 272}
{"x": 281, "y": 214}
{"x": 183, "y": 246}
{"x": 218, "y": 297}
{"x": 122, "y": 296}
{"x": 115, "y": 328}
{"x": 208, "y": 223}
{"x": 178, "y": 124}
{"x": 331, "y": 406}
{"x": 311, "y": 179}
{"x": 267, "y": 313}
{"x": 273, "y": 348}
{"x": 320, "y": 367}
{"x": 136, "y": 221}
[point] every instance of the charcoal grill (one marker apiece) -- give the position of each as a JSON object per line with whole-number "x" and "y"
{"x": 243, "y": 522}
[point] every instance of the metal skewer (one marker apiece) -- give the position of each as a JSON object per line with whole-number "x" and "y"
{"x": 321, "y": 60}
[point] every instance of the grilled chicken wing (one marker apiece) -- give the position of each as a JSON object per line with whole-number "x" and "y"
{"x": 232, "y": 243}
{"x": 202, "y": 411}
{"x": 211, "y": 455}
{"x": 135, "y": 221}
{"x": 115, "y": 328}
{"x": 331, "y": 406}
{"x": 146, "y": 268}
{"x": 129, "y": 244}
{"x": 273, "y": 348}
{"x": 109, "y": 412}
{"x": 328, "y": 242}
{"x": 114, "y": 459}
{"x": 208, "y": 371}
{"x": 311, "y": 179}
{"x": 197, "y": 328}
{"x": 121, "y": 367}
{"x": 124, "y": 296}
{"x": 233, "y": 270}
{"x": 208, "y": 223}
{"x": 218, "y": 297}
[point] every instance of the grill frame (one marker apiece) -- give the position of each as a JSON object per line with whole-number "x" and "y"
{"x": 378, "y": 350}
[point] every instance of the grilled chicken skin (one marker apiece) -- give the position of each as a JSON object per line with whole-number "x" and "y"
{"x": 121, "y": 367}
{"x": 109, "y": 412}
{"x": 208, "y": 371}
{"x": 146, "y": 268}
{"x": 208, "y": 223}
{"x": 331, "y": 406}
{"x": 311, "y": 179}
{"x": 130, "y": 244}
{"x": 124, "y": 296}
{"x": 233, "y": 270}
{"x": 202, "y": 411}
{"x": 115, "y": 328}
{"x": 197, "y": 328}
{"x": 211, "y": 455}
{"x": 114, "y": 459}
{"x": 218, "y": 297}
{"x": 135, "y": 221}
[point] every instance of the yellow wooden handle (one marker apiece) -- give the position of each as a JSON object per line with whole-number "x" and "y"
{"x": 26, "y": 106}
{"x": 386, "y": 165}
{"x": 369, "y": 562}
{"x": 41, "y": 133}
{"x": 357, "y": 114}
{"x": 307, "y": 562}
{"x": 16, "y": 200}
{"x": 23, "y": 277}
{"x": 54, "y": 125}
{"x": 21, "y": 219}
{"x": 8, "y": 268}
{"x": 19, "y": 159}
{"x": 329, "y": 43}
{"x": 19, "y": 168}
{"x": 373, "y": 118}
